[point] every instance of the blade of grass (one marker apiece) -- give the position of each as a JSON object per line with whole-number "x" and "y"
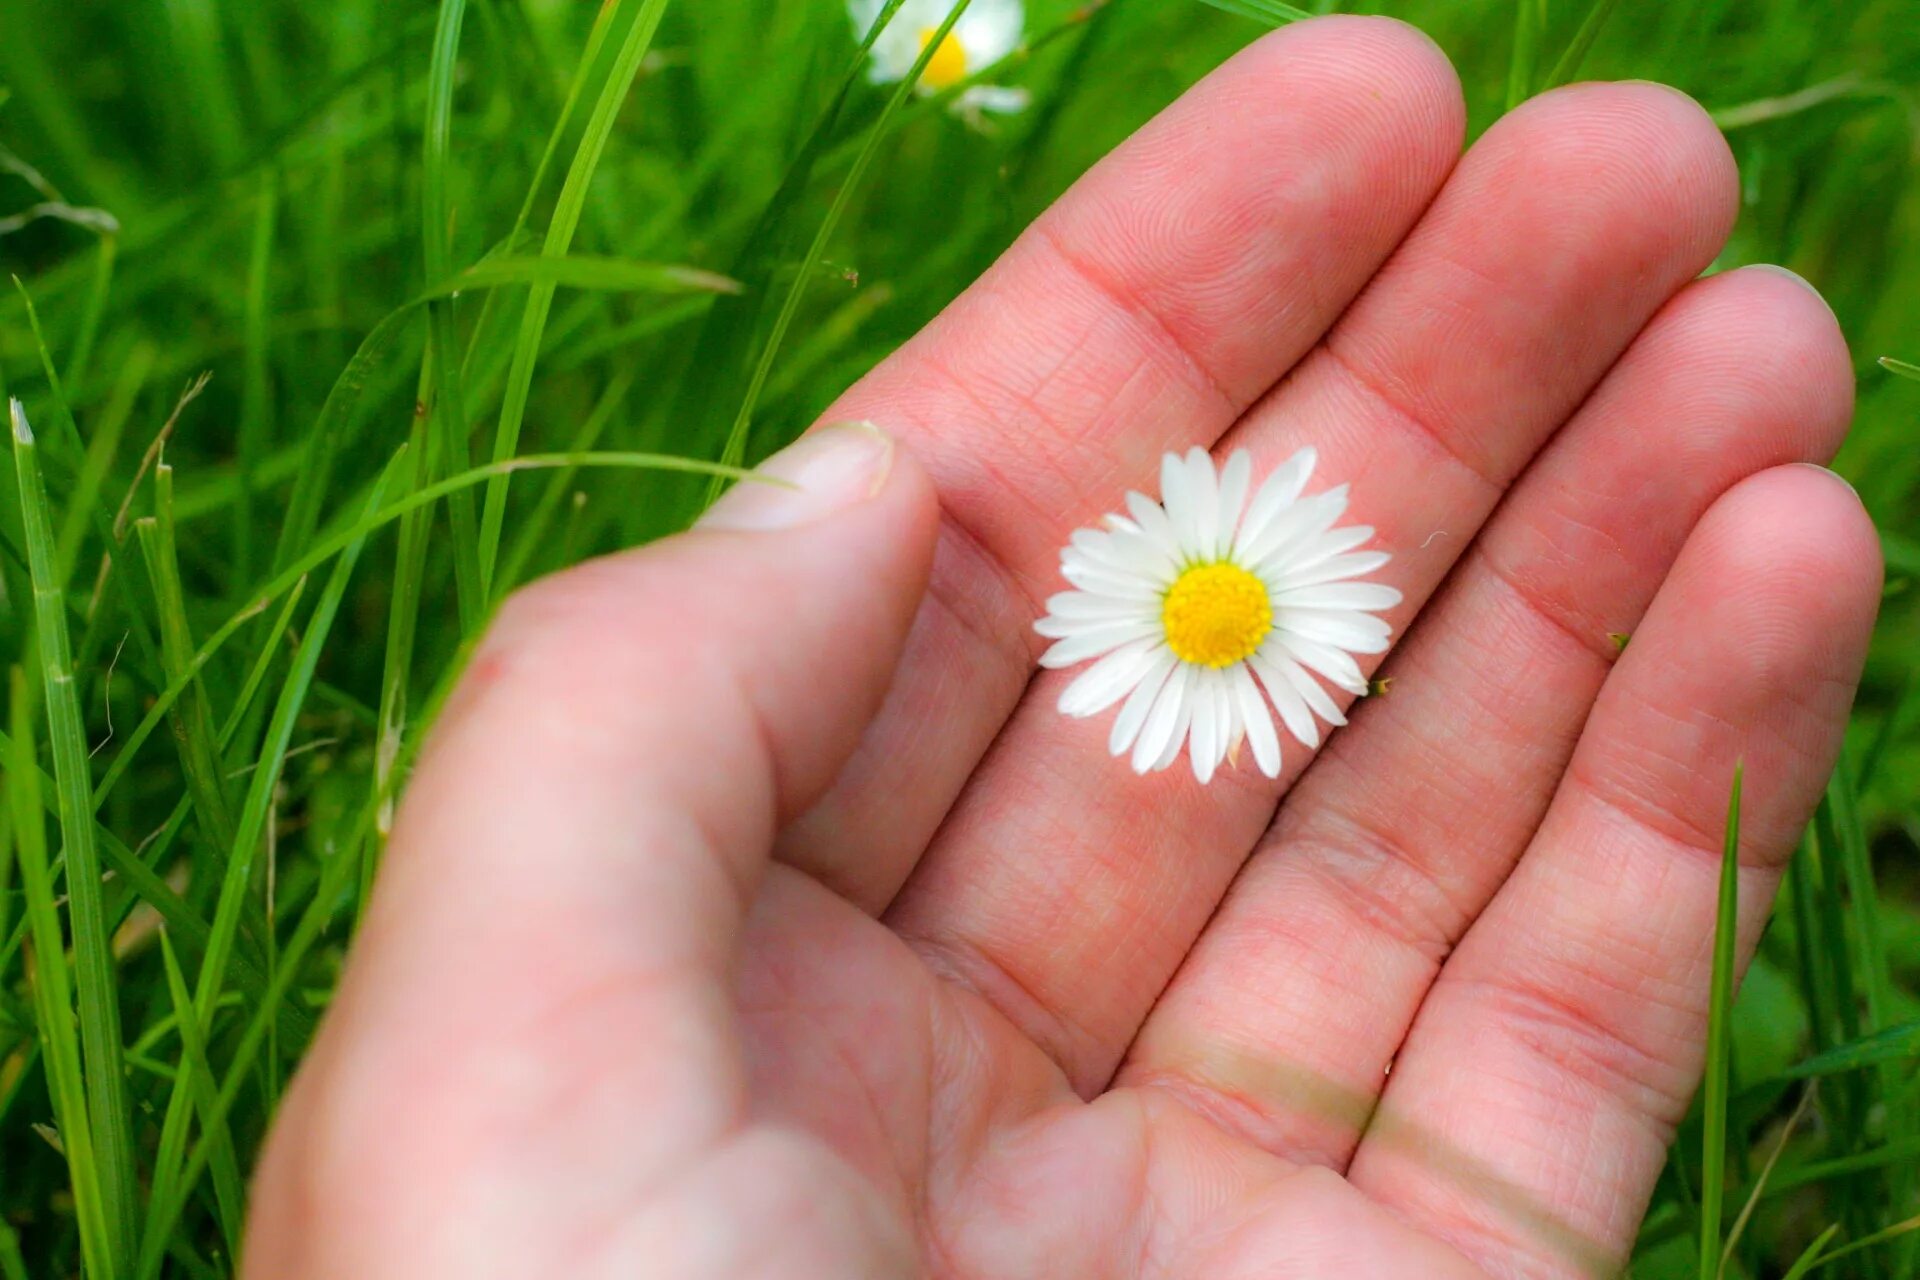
{"x": 1719, "y": 1043}
{"x": 13, "y": 1265}
{"x": 194, "y": 1088}
{"x": 329, "y": 430}
{"x": 1879, "y": 1237}
{"x": 191, "y": 719}
{"x": 139, "y": 877}
{"x": 1892, "y": 1044}
{"x": 256, "y": 400}
{"x": 1272, "y": 12}
{"x": 67, "y": 431}
{"x": 1810, "y": 972}
{"x": 1820, "y": 1171}
{"x": 447, "y": 411}
{"x": 98, "y": 287}
{"x": 724, "y": 346}
{"x": 409, "y": 570}
{"x": 1836, "y": 959}
{"x": 94, "y": 970}
{"x": 1528, "y": 18}
{"x": 566, "y": 220}
{"x": 1577, "y": 49}
{"x": 533, "y": 530}
{"x": 6, "y": 893}
{"x": 734, "y": 451}
{"x": 1766, "y": 1173}
{"x": 1897, "y": 724}
{"x": 327, "y": 895}
{"x": 207, "y": 75}
{"x": 330, "y": 546}
{"x": 84, "y": 500}
{"x": 250, "y": 825}
{"x": 1876, "y": 977}
{"x": 69, "y": 436}
{"x": 576, "y": 88}
{"x": 1810, "y": 1257}
{"x": 52, "y": 990}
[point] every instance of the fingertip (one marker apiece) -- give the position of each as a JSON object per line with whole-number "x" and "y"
{"x": 1382, "y": 64}
{"x": 1753, "y": 362}
{"x": 1787, "y": 568}
{"x": 1800, "y": 341}
{"x": 1648, "y": 148}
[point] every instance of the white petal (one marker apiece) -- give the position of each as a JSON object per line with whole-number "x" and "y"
{"x": 1107, "y": 582}
{"x": 1274, "y": 496}
{"x": 1099, "y": 608}
{"x": 1203, "y": 490}
{"x": 1334, "y": 664}
{"x": 996, "y": 99}
{"x": 1258, "y": 721}
{"x": 1108, "y": 680}
{"x": 898, "y": 45}
{"x": 1096, "y": 641}
{"x": 1370, "y": 596}
{"x": 1354, "y": 632}
{"x": 1234, "y": 479}
{"x": 1144, "y": 554}
{"x": 989, "y": 30}
{"x": 1179, "y": 739}
{"x": 1158, "y": 730}
{"x": 1236, "y": 724}
{"x": 1228, "y": 730}
{"x": 1126, "y": 726}
{"x": 1273, "y": 548}
{"x": 1332, "y": 543}
{"x": 1107, "y": 549}
{"x": 1153, "y": 521}
{"x": 1332, "y": 569}
{"x": 1294, "y": 713}
{"x": 1177, "y": 497}
{"x": 1053, "y": 628}
{"x": 1309, "y": 689}
{"x": 1203, "y": 748}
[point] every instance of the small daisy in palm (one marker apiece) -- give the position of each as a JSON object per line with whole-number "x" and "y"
{"x": 1195, "y": 604}
{"x": 988, "y": 31}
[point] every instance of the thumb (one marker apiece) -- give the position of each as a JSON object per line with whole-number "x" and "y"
{"x": 575, "y": 853}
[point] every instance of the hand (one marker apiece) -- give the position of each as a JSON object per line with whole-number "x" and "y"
{"x": 753, "y": 914}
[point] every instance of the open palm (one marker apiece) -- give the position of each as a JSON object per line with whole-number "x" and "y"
{"x": 754, "y": 914}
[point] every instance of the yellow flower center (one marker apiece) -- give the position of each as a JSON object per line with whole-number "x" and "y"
{"x": 1216, "y": 615}
{"x": 948, "y": 66}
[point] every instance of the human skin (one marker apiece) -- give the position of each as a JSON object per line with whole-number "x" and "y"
{"x": 753, "y": 914}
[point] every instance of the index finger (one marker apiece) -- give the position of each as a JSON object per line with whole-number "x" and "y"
{"x": 1158, "y": 299}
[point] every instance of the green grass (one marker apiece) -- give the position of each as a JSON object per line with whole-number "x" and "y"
{"x": 599, "y": 249}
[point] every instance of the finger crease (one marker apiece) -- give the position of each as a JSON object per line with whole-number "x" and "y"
{"x": 1415, "y": 424}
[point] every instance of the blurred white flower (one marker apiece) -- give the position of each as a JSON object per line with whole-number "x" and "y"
{"x": 988, "y": 31}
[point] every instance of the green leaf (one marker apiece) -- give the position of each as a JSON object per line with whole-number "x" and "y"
{"x": 733, "y": 453}
{"x": 1894, "y": 1044}
{"x": 95, "y": 976}
{"x": 1810, "y": 1257}
{"x": 1713, "y": 1166}
{"x": 566, "y": 220}
{"x": 52, "y": 992}
{"x": 1272, "y": 12}
{"x": 1576, "y": 53}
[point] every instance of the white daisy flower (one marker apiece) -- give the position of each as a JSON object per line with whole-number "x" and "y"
{"x": 988, "y": 31}
{"x": 1189, "y": 601}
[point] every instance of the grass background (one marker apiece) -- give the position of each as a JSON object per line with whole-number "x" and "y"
{"x": 265, "y": 191}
